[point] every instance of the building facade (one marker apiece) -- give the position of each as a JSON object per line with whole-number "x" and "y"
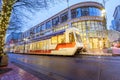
{"x": 114, "y": 38}
{"x": 113, "y": 35}
{"x": 86, "y": 16}
{"x": 113, "y": 25}
{"x": 116, "y": 16}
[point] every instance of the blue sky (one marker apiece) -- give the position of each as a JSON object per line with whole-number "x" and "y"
{"x": 0, "y": 4}
{"x": 44, "y": 14}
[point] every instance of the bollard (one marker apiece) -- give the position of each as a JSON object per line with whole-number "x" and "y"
{"x": 3, "y": 59}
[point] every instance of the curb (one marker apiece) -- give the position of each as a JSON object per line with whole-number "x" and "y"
{"x": 115, "y": 54}
{"x": 96, "y": 54}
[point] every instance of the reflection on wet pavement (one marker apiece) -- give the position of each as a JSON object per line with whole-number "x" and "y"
{"x": 75, "y": 68}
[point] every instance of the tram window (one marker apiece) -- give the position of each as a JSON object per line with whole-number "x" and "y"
{"x": 37, "y": 45}
{"x": 54, "y": 40}
{"x": 34, "y": 46}
{"x": 40, "y": 45}
{"x": 61, "y": 39}
{"x": 30, "y": 46}
{"x": 71, "y": 37}
{"x": 78, "y": 38}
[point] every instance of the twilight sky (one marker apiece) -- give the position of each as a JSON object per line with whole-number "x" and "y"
{"x": 0, "y": 4}
{"x": 44, "y": 14}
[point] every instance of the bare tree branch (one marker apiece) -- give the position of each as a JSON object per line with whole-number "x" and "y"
{"x": 30, "y": 6}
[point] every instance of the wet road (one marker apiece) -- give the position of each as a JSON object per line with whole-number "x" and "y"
{"x": 72, "y": 68}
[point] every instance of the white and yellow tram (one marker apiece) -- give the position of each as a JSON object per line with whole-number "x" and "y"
{"x": 63, "y": 42}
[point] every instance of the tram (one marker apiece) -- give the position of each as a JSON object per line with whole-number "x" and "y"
{"x": 63, "y": 42}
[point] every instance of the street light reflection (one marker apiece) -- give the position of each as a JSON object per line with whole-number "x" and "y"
{"x": 25, "y": 41}
{"x": 99, "y": 56}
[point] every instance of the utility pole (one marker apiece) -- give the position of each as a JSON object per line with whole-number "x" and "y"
{"x": 105, "y": 23}
{"x": 69, "y": 14}
{"x": 68, "y": 3}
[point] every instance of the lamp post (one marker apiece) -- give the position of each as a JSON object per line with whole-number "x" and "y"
{"x": 103, "y": 14}
{"x": 104, "y": 11}
{"x": 104, "y": 25}
{"x": 69, "y": 13}
{"x": 104, "y": 2}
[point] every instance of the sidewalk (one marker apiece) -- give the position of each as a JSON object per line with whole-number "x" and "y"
{"x": 115, "y": 51}
{"x": 16, "y": 73}
{"x": 96, "y": 53}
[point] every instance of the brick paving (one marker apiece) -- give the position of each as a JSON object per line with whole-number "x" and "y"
{"x": 17, "y": 74}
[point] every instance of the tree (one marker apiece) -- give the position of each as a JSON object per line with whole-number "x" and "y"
{"x": 4, "y": 19}
{"x": 9, "y": 6}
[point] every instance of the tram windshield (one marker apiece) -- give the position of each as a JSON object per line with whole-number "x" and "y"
{"x": 78, "y": 38}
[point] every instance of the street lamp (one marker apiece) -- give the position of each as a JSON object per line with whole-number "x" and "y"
{"x": 103, "y": 13}
{"x": 104, "y": 25}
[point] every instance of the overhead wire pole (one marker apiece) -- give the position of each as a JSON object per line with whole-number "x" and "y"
{"x": 105, "y": 23}
{"x": 68, "y": 9}
{"x": 104, "y": 4}
{"x": 69, "y": 13}
{"x": 68, "y": 3}
{"x": 106, "y": 31}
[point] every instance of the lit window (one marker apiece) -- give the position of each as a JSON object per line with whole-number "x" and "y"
{"x": 74, "y": 25}
{"x": 80, "y": 26}
{"x": 40, "y": 45}
{"x": 54, "y": 40}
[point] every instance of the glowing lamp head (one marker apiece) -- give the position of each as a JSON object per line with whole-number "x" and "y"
{"x": 103, "y": 12}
